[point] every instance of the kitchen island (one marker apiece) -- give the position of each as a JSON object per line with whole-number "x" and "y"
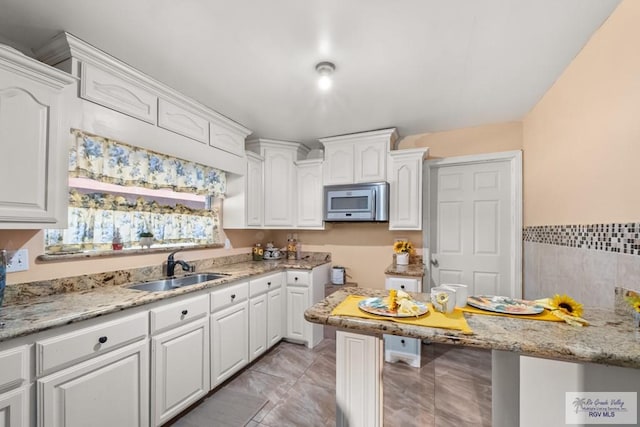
{"x": 611, "y": 341}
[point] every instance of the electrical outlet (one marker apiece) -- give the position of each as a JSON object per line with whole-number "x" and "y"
{"x": 17, "y": 260}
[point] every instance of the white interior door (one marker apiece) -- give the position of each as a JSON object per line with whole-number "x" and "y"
{"x": 474, "y": 218}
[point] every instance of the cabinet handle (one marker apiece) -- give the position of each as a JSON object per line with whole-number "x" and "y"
{"x": 102, "y": 340}
{"x": 184, "y": 312}
{"x": 268, "y": 283}
{"x": 233, "y": 296}
{"x": 401, "y": 286}
{"x": 402, "y": 341}
{"x": 295, "y": 278}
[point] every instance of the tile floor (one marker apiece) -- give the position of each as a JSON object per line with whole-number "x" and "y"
{"x": 452, "y": 388}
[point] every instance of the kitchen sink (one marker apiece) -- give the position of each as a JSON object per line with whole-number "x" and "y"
{"x": 176, "y": 282}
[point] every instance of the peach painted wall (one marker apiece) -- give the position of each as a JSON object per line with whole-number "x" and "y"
{"x": 475, "y": 140}
{"x": 582, "y": 140}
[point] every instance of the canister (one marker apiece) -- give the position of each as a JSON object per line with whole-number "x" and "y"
{"x": 338, "y": 275}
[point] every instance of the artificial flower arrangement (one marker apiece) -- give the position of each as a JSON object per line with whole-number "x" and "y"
{"x": 634, "y": 301}
{"x": 403, "y": 246}
{"x": 564, "y": 307}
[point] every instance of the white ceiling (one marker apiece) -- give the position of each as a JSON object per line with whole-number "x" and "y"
{"x": 418, "y": 65}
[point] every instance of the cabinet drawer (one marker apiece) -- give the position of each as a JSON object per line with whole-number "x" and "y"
{"x": 118, "y": 94}
{"x": 179, "y": 313}
{"x": 181, "y": 121}
{"x": 404, "y": 283}
{"x": 14, "y": 368}
{"x": 298, "y": 278}
{"x": 229, "y": 296}
{"x": 64, "y": 349}
{"x": 265, "y": 284}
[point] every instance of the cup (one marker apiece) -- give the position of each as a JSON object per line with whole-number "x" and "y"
{"x": 462, "y": 293}
{"x": 443, "y": 299}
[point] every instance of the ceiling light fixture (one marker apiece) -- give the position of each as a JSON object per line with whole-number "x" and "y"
{"x": 325, "y": 69}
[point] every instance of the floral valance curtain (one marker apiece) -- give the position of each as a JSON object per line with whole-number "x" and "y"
{"x": 114, "y": 162}
{"x": 94, "y": 218}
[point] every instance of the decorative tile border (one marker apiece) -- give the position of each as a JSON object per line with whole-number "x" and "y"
{"x": 621, "y": 238}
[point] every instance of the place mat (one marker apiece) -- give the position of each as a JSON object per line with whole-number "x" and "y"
{"x": 545, "y": 315}
{"x": 433, "y": 319}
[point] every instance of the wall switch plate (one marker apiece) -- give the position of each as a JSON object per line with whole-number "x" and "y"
{"x": 17, "y": 260}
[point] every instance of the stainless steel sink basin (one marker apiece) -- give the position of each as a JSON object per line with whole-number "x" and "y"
{"x": 176, "y": 282}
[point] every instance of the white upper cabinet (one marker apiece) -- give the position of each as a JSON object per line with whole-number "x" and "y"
{"x": 309, "y": 211}
{"x": 182, "y": 121}
{"x": 405, "y": 188}
{"x": 115, "y": 92}
{"x": 34, "y": 138}
{"x": 111, "y": 83}
{"x": 358, "y": 157}
{"x": 255, "y": 191}
{"x": 279, "y": 172}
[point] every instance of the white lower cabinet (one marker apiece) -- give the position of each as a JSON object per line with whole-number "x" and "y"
{"x": 265, "y": 313}
{"x": 179, "y": 357}
{"x": 304, "y": 288}
{"x": 106, "y": 391}
{"x": 15, "y": 398}
{"x": 229, "y": 346}
{"x": 297, "y": 302}
{"x": 398, "y": 348}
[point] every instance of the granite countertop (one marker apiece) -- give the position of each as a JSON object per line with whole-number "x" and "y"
{"x": 611, "y": 338}
{"x": 85, "y": 297}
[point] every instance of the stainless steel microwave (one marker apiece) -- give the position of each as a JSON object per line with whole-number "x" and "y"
{"x": 357, "y": 202}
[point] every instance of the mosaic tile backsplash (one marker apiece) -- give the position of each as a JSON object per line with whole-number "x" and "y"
{"x": 619, "y": 238}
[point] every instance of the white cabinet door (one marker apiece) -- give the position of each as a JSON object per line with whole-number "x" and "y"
{"x": 182, "y": 121}
{"x": 225, "y": 138}
{"x": 338, "y": 164}
{"x": 14, "y": 408}
{"x": 309, "y": 212}
{"x": 279, "y": 176}
{"x": 179, "y": 369}
{"x": 258, "y": 320}
{"x": 255, "y": 190}
{"x": 229, "y": 341}
{"x": 370, "y": 160}
{"x": 106, "y": 391}
{"x": 33, "y": 164}
{"x": 275, "y": 317}
{"x": 297, "y": 303}
{"x": 407, "y": 284}
{"x": 405, "y": 189}
{"x": 107, "y": 89}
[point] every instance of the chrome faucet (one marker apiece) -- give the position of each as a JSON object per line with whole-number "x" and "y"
{"x": 171, "y": 264}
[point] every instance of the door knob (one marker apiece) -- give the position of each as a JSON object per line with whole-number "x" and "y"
{"x": 434, "y": 262}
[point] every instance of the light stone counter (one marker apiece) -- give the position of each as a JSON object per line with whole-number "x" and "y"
{"x": 38, "y": 306}
{"x": 611, "y": 338}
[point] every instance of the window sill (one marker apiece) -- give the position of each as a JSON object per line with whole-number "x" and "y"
{"x": 77, "y": 255}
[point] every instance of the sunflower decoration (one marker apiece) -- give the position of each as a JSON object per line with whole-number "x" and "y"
{"x": 634, "y": 301}
{"x": 564, "y": 307}
{"x": 403, "y": 246}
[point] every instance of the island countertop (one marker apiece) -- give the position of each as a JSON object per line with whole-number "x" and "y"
{"x": 85, "y": 297}
{"x": 611, "y": 338}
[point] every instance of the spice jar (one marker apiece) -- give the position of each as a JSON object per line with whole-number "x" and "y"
{"x": 257, "y": 252}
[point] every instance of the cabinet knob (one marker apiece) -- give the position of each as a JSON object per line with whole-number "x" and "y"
{"x": 184, "y": 312}
{"x": 295, "y": 278}
{"x": 233, "y": 296}
{"x": 268, "y": 283}
{"x": 401, "y": 286}
{"x": 402, "y": 341}
{"x": 102, "y": 340}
